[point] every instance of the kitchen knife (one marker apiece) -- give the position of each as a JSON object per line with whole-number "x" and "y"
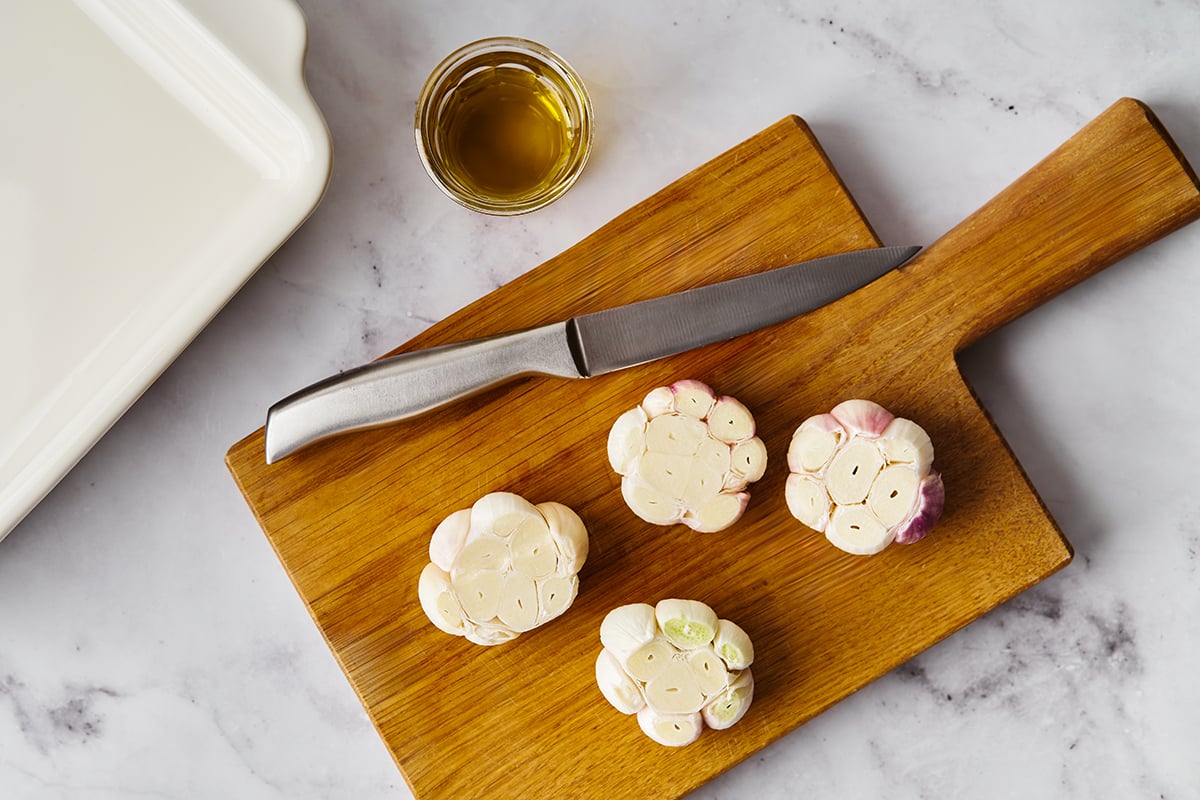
{"x": 403, "y": 386}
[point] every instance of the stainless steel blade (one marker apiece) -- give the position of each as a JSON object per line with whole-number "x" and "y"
{"x": 634, "y": 334}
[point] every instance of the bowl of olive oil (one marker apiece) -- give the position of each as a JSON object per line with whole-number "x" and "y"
{"x": 504, "y": 126}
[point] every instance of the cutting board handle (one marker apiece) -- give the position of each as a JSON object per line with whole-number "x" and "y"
{"x": 1117, "y": 185}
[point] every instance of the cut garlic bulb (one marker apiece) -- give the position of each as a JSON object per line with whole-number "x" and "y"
{"x": 502, "y": 567}
{"x": 686, "y": 456}
{"x": 864, "y": 478}
{"x": 677, "y": 666}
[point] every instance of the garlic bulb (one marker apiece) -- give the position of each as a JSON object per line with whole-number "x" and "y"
{"x": 686, "y": 455}
{"x": 677, "y": 666}
{"x": 863, "y": 477}
{"x": 502, "y": 567}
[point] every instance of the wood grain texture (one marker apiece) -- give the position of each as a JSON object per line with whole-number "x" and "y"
{"x": 350, "y": 519}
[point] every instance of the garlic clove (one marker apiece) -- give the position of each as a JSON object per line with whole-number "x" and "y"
{"x": 438, "y": 600}
{"x": 749, "y": 459}
{"x": 555, "y": 595}
{"x": 646, "y": 662}
{"x": 808, "y": 501}
{"x": 627, "y": 440}
{"x": 686, "y": 623}
{"x": 693, "y": 398}
{"x": 479, "y": 592}
{"x": 906, "y": 442}
{"x": 448, "y": 539}
{"x": 674, "y": 434}
{"x": 518, "y": 602}
{"x": 649, "y": 503}
{"x": 489, "y": 634}
{"x": 672, "y": 730}
{"x": 501, "y": 513}
{"x": 658, "y": 402}
{"x": 665, "y": 473}
{"x": 569, "y": 535}
{"x": 674, "y": 689}
{"x": 718, "y": 513}
{"x": 893, "y": 495}
{"x": 862, "y": 417}
{"x": 626, "y": 628}
{"x": 856, "y": 530}
{"x": 708, "y": 669}
{"x": 531, "y": 549}
{"x": 621, "y": 691}
{"x": 731, "y": 705}
{"x": 484, "y": 552}
{"x": 733, "y": 645}
{"x": 730, "y": 421}
{"x": 852, "y": 472}
{"x": 814, "y": 443}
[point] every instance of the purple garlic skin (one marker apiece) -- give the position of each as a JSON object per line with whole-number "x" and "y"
{"x": 864, "y": 477}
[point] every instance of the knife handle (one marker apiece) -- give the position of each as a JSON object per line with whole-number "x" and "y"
{"x": 403, "y": 386}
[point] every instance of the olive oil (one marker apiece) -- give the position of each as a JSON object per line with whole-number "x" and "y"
{"x": 504, "y": 125}
{"x": 504, "y": 132}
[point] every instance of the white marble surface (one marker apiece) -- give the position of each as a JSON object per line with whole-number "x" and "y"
{"x": 151, "y": 645}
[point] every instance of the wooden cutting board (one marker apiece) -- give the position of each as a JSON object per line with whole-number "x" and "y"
{"x": 350, "y": 519}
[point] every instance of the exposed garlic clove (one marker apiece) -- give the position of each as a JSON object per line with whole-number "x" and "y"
{"x": 730, "y": 421}
{"x": 733, "y": 645}
{"x": 862, "y": 417}
{"x": 531, "y": 549}
{"x": 675, "y": 689}
{"x": 718, "y": 513}
{"x": 648, "y": 503}
{"x": 685, "y": 468}
{"x": 852, "y": 472}
{"x": 709, "y": 670}
{"x": 672, "y": 730}
{"x": 626, "y": 628}
{"x": 686, "y": 623}
{"x": 693, "y": 398}
{"x": 856, "y": 530}
{"x": 906, "y": 442}
{"x": 808, "y": 501}
{"x": 749, "y": 459}
{"x": 814, "y": 443}
{"x": 646, "y": 662}
{"x": 514, "y": 568}
{"x": 731, "y": 705}
{"x": 555, "y": 595}
{"x": 438, "y": 600}
{"x": 893, "y": 496}
{"x": 479, "y": 592}
{"x": 621, "y": 691}
{"x": 627, "y": 440}
{"x": 672, "y": 665}
{"x": 658, "y": 402}
{"x": 569, "y": 535}
{"x": 666, "y": 473}
{"x": 675, "y": 434}
{"x": 448, "y": 539}
{"x": 929, "y": 509}
{"x": 500, "y": 513}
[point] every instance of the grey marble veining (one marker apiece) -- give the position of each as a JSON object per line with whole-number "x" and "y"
{"x": 151, "y": 646}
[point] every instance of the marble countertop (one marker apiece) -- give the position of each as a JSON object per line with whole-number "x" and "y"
{"x": 152, "y": 646}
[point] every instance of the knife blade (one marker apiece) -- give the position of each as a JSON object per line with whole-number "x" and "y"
{"x": 409, "y": 384}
